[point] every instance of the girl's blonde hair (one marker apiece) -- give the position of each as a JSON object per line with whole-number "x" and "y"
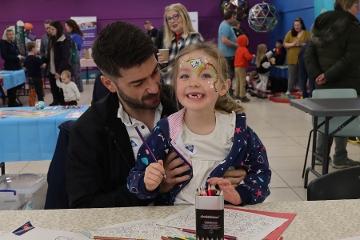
{"x": 66, "y": 73}
{"x": 224, "y": 103}
{"x": 260, "y": 53}
{"x": 187, "y": 25}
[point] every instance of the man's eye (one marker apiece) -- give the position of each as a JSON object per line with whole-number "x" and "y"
{"x": 137, "y": 84}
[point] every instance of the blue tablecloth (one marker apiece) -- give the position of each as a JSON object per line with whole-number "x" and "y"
{"x": 27, "y": 134}
{"x": 279, "y": 71}
{"x": 12, "y": 78}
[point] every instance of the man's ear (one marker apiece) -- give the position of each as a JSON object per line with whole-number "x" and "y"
{"x": 110, "y": 85}
{"x": 225, "y": 87}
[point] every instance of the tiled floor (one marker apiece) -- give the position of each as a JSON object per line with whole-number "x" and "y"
{"x": 283, "y": 130}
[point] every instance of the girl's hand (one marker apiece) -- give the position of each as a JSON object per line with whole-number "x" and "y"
{"x": 235, "y": 176}
{"x": 230, "y": 194}
{"x": 154, "y": 175}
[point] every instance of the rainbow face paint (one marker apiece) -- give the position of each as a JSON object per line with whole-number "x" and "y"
{"x": 203, "y": 69}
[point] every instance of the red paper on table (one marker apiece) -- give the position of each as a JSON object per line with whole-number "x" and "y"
{"x": 276, "y": 234}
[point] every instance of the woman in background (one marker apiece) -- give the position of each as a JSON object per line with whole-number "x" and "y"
{"x": 72, "y": 28}
{"x": 178, "y": 33}
{"x": 294, "y": 40}
{"x": 11, "y": 55}
{"x": 58, "y": 59}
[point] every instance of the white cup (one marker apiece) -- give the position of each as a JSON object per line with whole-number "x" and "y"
{"x": 163, "y": 55}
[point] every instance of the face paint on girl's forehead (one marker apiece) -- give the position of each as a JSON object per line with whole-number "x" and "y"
{"x": 199, "y": 65}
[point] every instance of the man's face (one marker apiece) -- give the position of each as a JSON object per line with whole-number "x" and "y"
{"x": 147, "y": 26}
{"x": 139, "y": 86}
{"x": 47, "y": 28}
{"x": 10, "y": 36}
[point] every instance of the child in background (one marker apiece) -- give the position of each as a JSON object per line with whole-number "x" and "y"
{"x": 71, "y": 92}
{"x": 209, "y": 133}
{"x": 242, "y": 59}
{"x": 33, "y": 64}
{"x": 279, "y": 53}
{"x": 263, "y": 68}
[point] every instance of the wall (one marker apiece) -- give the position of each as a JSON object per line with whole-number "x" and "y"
{"x": 110, "y": 10}
{"x": 289, "y": 10}
{"x": 106, "y": 11}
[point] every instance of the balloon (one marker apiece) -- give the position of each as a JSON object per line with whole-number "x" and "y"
{"x": 262, "y": 17}
{"x": 28, "y": 26}
{"x": 239, "y": 6}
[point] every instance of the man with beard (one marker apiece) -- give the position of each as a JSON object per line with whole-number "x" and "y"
{"x": 105, "y": 140}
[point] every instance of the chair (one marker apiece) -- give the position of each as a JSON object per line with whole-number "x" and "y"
{"x": 343, "y": 184}
{"x": 56, "y": 196}
{"x": 350, "y": 130}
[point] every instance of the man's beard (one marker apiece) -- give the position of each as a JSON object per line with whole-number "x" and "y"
{"x": 136, "y": 104}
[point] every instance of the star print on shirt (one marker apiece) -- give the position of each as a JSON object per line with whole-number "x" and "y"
{"x": 258, "y": 193}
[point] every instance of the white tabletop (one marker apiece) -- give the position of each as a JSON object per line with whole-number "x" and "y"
{"x": 314, "y": 220}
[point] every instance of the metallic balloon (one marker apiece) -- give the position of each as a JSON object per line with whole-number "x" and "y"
{"x": 263, "y": 17}
{"x": 240, "y": 7}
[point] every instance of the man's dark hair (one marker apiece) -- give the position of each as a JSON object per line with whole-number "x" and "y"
{"x": 228, "y": 14}
{"x": 121, "y": 45}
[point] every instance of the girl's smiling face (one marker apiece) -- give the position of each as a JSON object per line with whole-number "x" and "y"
{"x": 197, "y": 82}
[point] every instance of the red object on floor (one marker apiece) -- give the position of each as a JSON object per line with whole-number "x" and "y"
{"x": 282, "y": 98}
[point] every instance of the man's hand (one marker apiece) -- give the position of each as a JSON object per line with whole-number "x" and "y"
{"x": 320, "y": 80}
{"x": 235, "y": 176}
{"x": 174, "y": 166}
{"x": 230, "y": 194}
{"x": 154, "y": 174}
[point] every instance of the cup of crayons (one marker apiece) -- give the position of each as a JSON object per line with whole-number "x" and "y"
{"x": 209, "y": 210}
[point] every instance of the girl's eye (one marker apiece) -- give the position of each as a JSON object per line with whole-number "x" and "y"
{"x": 184, "y": 76}
{"x": 206, "y": 76}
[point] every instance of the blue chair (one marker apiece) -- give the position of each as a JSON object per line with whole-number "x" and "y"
{"x": 350, "y": 130}
{"x": 343, "y": 184}
{"x": 56, "y": 196}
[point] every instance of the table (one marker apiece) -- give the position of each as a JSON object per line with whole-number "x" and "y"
{"x": 327, "y": 108}
{"x": 315, "y": 220}
{"x": 87, "y": 63}
{"x": 11, "y": 79}
{"x": 279, "y": 71}
{"x": 27, "y": 134}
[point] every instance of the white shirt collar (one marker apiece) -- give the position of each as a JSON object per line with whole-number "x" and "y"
{"x": 125, "y": 118}
{"x": 61, "y": 38}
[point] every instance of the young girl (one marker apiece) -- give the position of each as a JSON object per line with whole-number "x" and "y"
{"x": 209, "y": 133}
{"x": 71, "y": 92}
{"x": 263, "y": 68}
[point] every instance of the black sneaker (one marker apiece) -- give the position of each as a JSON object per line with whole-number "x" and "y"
{"x": 345, "y": 164}
{"x": 54, "y": 104}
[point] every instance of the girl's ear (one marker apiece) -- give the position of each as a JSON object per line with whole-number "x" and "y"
{"x": 225, "y": 87}
{"x": 110, "y": 85}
